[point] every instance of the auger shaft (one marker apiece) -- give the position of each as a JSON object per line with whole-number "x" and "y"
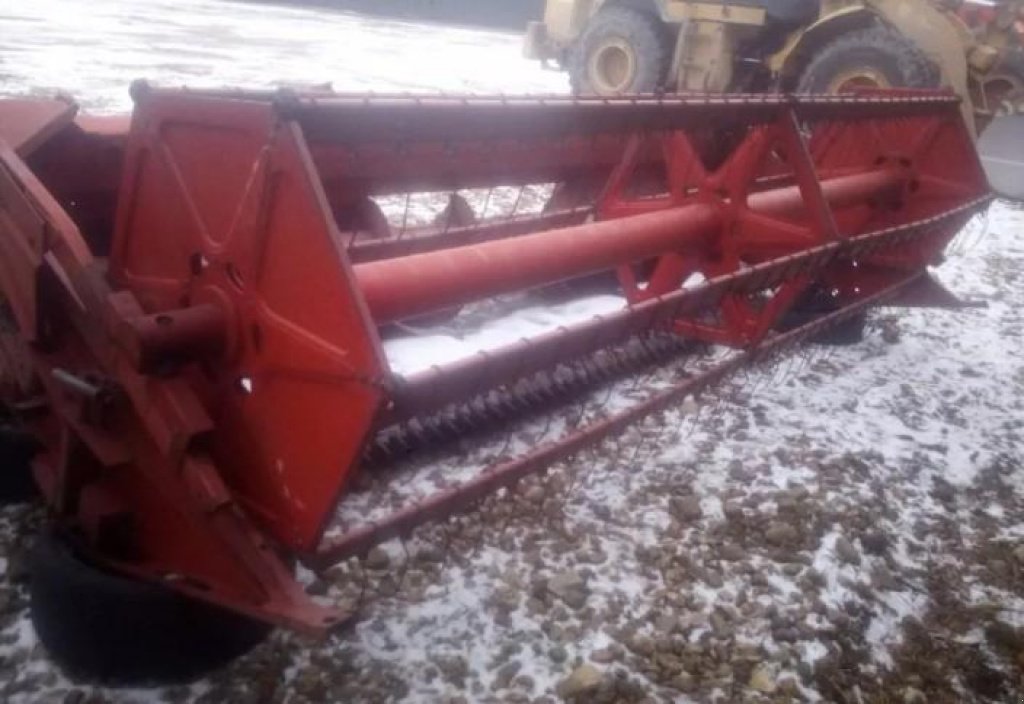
{"x": 405, "y": 287}
{"x": 408, "y": 286}
{"x": 430, "y": 390}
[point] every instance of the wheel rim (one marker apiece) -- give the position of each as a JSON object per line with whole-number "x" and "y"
{"x": 850, "y": 80}
{"x": 612, "y": 67}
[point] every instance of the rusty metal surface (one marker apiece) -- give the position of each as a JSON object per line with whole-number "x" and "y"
{"x": 362, "y": 119}
{"x": 225, "y": 363}
{"x": 185, "y": 522}
{"x": 255, "y": 238}
{"x": 25, "y": 124}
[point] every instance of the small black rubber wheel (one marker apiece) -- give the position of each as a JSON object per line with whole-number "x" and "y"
{"x": 621, "y": 51}
{"x": 847, "y": 332}
{"x": 875, "y": 57}
{"x": 105, "y": 628}
{"x": 364, "y": 219}
{"x": 17, "y": 448}
{"x": 815, "y": 303}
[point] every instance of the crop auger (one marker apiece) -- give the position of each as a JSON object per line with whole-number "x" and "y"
{"x": 194, "y": 301}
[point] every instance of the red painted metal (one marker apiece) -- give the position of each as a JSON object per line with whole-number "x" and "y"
{"x": 163, "y": 341}
{"x": 25, "y": 124}
{"x": 430, "y": 240}
{"x": 449, "y": 501}
{"x": 432, "y": 390}
{"x": 254, "y": 237}
{"x": 409, "y": 286}
{"x": 208, "y": 337}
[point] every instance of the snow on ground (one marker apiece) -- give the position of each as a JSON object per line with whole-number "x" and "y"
{"x": 842, "y": 527}
{"x": 849, "y": 521}
{"x": 416, "y": 353}
{"x": 94, "y": 49}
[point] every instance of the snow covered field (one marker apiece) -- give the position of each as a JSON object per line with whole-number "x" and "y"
{"x": 92, "y": 50}
{"x": 844, "y": 527}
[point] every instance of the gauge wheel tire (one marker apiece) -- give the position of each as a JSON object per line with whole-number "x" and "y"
{"x": 105, "y": 628}
{"x": 849, "y": 331}
{"x": 17, "y": 448}
{"x": 874, "y": 57}
{"x": 621, "y": 51}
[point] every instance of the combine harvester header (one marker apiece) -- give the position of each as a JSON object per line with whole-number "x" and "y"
{"x": 195, "y": 310}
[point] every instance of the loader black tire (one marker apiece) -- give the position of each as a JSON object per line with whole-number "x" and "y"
{"x": 621, "y": 51}
{"x": 108, "y": 629}
{"x": 17, "y": 448}
{"x": 877, "y": 56}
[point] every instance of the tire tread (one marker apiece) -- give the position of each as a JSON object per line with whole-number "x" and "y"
{"x": 643, "y": 31}
{"x": 914, "y": 68}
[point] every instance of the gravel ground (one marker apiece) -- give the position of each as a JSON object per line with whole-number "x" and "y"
{"x": 843, "y": 527}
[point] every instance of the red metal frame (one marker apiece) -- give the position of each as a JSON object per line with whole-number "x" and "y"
{"x": 207, "y": 338}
